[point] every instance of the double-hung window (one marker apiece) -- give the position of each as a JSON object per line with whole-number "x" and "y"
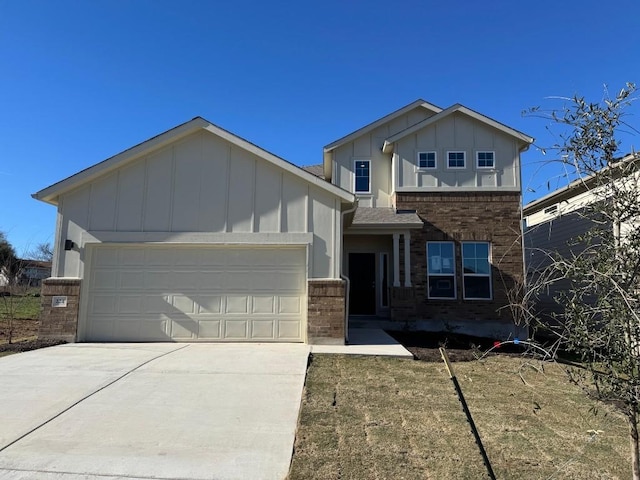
{"x": 456, "y": 159}
{"x": 362, "y": 176}
{"x": 476, "y": 271}
{"x": 485, "y": 159}
{"x": 441, "y": 270}
{"x": 426, "y": 160}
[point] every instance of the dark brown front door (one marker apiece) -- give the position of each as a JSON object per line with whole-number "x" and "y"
{"x": 362, "y": 275}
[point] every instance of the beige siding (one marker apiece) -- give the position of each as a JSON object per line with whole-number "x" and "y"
{"x": 201, "y": 184}
{"x": 457, "y": 132}
{"x": 369, "y": 147}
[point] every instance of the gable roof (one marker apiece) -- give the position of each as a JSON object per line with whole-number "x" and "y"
{"x": 368, "y": 128}
{"x": 388, "y": 143}
{"x": 381, "y": 121}
{"x": 51, "y": 193}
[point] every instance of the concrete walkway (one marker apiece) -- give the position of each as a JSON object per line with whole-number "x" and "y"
{"x": 366, "y": 341}
{"x": 165, "y": 411}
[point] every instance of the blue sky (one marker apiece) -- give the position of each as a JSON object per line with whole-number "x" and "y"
{"x": 82, "y": 81}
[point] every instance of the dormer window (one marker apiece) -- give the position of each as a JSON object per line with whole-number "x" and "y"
{"x": 426, "y": 160}
{"x": 362, "y": 176}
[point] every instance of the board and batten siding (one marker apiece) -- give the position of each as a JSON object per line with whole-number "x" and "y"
{"x": 369, "y": 147}
{"x": 457, "y": 132}
{"x": 198, "y": 185}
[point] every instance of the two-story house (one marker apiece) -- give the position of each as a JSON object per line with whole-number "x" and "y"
{"x": 436, "y": 237}
{"x": 200, "y": 235}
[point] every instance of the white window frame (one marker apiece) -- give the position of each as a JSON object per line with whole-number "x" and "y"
{"x": 480, "y": 275}
{"x": 435, "y": 160}
{"x": 478, "y": 159}
{"x": 355, "y": 162}
{"x": 452, "y": 275}
{"x": 464, "y": 159}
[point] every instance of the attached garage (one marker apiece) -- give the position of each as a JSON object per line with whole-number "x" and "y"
{"x": 196, "y": 235}
{"x": 195, "y": 293}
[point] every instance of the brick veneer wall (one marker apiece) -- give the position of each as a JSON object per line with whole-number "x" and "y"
{"x": 458, "y": 217}
{"x": 326, "y": 310}
{"x": 59, "y": 322}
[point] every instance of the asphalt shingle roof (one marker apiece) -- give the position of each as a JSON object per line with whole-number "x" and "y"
{"x": 367, "y": 216}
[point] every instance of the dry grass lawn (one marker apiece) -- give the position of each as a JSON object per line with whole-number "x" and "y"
{"x": 387, "y": 418}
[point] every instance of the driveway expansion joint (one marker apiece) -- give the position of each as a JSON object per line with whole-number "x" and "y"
{"x": 37, "y": 427}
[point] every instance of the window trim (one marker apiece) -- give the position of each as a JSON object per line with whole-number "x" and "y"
{"x": 355, "y": 178}
{"x": 478, "y": 275}
{"x": 464, "y": 159}
{"x": 452, "y": 275}
{"x": 493, "y": 153}
{"x": 435, "y": 160}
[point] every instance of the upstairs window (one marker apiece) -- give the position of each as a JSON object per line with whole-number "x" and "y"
{"x": 362, "y": 176}
{"x": 441, "y": 270}
{"x": 485, "y": 159}
{"x": 476, "y": 271}
{"x": 456, "y": 159}
{"x": 426, "y": 159}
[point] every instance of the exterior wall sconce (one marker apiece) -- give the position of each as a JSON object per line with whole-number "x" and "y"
{"x": 68, "y": 245}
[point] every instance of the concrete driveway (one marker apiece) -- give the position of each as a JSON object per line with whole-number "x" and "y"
{"x": 163, "y": 411}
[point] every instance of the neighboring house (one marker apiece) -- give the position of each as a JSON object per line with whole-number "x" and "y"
{"x": 30, "y": 273}
{"x": 555, "y": 222}
{"x": 197, "y": 234}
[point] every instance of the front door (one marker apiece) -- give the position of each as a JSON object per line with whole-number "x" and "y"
{"x": 362, "y": 275}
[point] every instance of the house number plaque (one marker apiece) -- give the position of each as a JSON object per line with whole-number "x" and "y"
{"x": 58, "y": 302}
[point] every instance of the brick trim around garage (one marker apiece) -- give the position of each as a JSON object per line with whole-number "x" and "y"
{"x": 59, "y": 313}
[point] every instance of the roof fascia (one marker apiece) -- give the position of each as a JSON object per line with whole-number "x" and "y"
{"x": 389, "y": 142}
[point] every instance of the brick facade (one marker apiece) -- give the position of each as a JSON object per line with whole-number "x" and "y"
{"x": 326, "y": 311}
{"x": 493, "y": 217}
{"x": 60, "y": 323}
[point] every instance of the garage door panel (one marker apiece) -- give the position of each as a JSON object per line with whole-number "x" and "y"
{"x": 190, "y": 293}
{"x": 105, "y": 280}
{"x": 129, "y": 304}
{"x": 263, "y": 329}
{"x": 131, "y": 280}
{"x": 236, "y": 329}
{"x": 184, "y": 329}
{"x": 210, "y": 329}
{"x": 184, "y": 304}
{"x": 132, "y": 256}
{"x": 263, "y": 304}
{"x": 208, "y": 304}
{"x": 237, "y": 304}
{"x": 288, "y": 329}
{"x": 103, "y": 304}
{"x": 289, "y": 305}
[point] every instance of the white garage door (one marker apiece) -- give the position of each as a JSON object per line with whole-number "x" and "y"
{"x": 188, "y": 293}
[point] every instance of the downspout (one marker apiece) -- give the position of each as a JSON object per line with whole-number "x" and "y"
{"x": 343, "y": 276}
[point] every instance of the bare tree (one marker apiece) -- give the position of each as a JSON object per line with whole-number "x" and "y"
{"x": 42, "y": 252}
{"x": 599, "y": 320}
